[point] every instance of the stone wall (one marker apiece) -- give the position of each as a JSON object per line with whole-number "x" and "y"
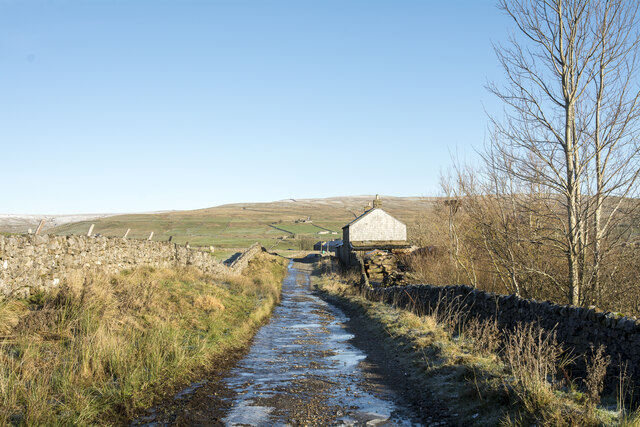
{"x": 242, "y": 261}
{"x": 577, "y": 328}
{"x": 30, "y": 263}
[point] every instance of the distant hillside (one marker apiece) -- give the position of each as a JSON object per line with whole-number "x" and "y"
{"x": 239, "y": 225}
{"x": 14, "y": 223}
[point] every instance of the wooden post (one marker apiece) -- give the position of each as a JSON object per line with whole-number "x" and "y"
{"x": 39, "y": 229}
{"x": 170, "y": 238}
{"x": 90, "y": 230}
{"x": 126, "y": 234}
{"x": 150, "y": 236}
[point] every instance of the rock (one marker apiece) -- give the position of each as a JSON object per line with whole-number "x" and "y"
{"x": 626, "y": 324}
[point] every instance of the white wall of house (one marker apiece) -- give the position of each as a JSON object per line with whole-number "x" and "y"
{"x": 377, "y": 225}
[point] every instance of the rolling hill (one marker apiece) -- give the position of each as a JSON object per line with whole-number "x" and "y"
{"x": 279, "y": 225}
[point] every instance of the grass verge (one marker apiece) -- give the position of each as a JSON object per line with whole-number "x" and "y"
{"x": 100, "y": 348}
{"x": 485, "y": 376}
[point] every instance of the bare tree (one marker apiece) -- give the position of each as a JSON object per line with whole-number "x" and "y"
{"x": 570, "y": 120}
{"x": 615, "y": 115}
{"x": 503, "y": 234}
{"x": 460, "y": 252}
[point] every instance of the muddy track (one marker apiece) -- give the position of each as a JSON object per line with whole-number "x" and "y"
{"x": 390, "y": 367}
{"x": 312, "y": 364}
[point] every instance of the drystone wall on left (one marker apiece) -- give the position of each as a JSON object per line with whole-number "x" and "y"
{"x": 30, "y": 263}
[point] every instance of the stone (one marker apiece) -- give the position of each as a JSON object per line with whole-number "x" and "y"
{"x": 40, "y": 240}
{"x": 626, "y": 324}
{"x": 35, "y": 262}
{"x": 576, "y": 328}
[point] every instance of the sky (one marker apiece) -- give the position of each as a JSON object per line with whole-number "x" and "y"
{"x": 145, "y": 105}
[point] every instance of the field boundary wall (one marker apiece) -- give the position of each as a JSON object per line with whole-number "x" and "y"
{"x": 577, "y": 328}
{"x": 31, "y": 263}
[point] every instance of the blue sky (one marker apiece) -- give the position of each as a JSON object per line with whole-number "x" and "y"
{"x": 128, "y": 106}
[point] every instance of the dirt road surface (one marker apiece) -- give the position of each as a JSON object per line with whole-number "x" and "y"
{"x": 303, "y": 368}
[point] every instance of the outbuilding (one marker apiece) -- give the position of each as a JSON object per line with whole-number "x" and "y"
{"x": 374, "y": 229}
{"x": 329, "y": 246}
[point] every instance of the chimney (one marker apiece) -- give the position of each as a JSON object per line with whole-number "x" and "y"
{"x": 377, "y": 202}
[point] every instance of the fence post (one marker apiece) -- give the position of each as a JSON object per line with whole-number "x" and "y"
{"x": 39, "y": 229}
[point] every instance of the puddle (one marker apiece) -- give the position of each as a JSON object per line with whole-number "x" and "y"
{"x": 305, "y": 326}
{"x": 301, "y": 369}
{"x": 245, "y": 414}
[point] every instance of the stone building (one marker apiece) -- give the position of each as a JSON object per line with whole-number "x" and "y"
{"x": 375, "y": 229}
{"x": 327, "y": 246}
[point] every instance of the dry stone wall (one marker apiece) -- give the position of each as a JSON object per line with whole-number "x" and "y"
{"x": 242, "y": 261}
{"x": 576, "y": 327}
{"x": 32, "y": 263}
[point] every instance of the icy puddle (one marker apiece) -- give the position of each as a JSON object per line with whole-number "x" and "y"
{"x": 302, "y": 370}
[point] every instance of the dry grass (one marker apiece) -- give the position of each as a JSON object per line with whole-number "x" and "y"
{"x": 208, "y": 303}
{"x": 597, "y": 364}
{"x": 101, "y": 347}
{"x": 484, "y": 335}
{"x": 10, "y": 313}
{"x": 434, "y": 358}
{"x": 487, "y": 376}
{"x": 533, "y": 357}
{"x": 449, "y": 312}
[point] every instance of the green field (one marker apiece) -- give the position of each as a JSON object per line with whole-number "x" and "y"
{"x": 235, "y": 226}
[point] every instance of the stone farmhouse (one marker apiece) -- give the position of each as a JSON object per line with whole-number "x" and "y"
{"x": 374, "y": 229}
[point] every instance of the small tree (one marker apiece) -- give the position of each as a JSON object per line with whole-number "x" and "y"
{"x": 304, "y": 243}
